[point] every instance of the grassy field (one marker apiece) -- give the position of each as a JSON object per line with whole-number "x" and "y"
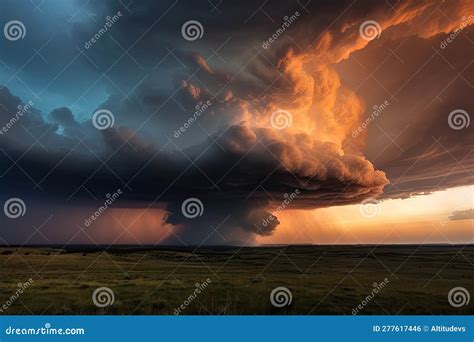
{"x": 322, "y": 279}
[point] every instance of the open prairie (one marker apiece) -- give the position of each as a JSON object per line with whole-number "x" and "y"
{"x": 232, "y": 280}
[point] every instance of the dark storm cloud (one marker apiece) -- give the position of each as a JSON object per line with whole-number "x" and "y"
{"x": 239, "y": 169}
{"x": 65, "y": 119}
{"x": 22, "y": 123}
{"x": 235, "y": 175}
{"x": 236, "y": 221}
{"x": 233, "y": 164}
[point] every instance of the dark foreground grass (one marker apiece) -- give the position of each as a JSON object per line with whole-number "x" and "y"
{"x": 322, "y": 279}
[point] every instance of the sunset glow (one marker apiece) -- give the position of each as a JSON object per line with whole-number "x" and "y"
{"x": 349, "y": 125}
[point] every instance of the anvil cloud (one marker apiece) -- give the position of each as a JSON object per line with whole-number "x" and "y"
{"x": 236, "y": 157}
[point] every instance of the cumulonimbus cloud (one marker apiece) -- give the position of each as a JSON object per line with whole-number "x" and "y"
{"x": 238, "y": 164}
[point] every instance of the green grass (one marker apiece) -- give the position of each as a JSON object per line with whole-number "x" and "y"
{"x": 322, "y": 279}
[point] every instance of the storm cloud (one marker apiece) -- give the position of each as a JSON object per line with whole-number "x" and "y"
{"x": 254, "y": 124}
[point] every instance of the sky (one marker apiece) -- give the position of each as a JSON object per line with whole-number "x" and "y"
{"x": 243, "y": 123}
